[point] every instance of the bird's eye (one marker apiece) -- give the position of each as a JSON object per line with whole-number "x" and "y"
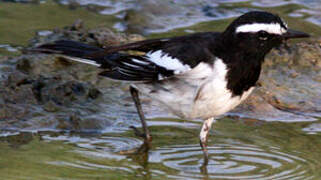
{"x": 263, "y": 35}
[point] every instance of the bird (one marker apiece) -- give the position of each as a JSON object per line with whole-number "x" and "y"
{"x": 196, "y": 76}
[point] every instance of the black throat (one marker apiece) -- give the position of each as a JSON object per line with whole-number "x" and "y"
{"x": 244, "y": 67}
{"x": 243, "y": 73}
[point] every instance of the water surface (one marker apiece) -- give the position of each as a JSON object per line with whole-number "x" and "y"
{"x": 238, "y": 149}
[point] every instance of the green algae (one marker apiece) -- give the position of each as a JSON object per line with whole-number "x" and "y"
{"x": 19, "y": 21}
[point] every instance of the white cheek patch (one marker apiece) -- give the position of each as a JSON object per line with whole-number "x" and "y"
{"x": 273, "y": 28}
{"x": 166, "y": 61}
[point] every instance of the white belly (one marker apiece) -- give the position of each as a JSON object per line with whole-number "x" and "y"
{"x": 200, "y": 93}
{"x": 217, "y": 101}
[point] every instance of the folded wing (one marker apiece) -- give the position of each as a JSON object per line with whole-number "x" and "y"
{"x": 149, "y": 60}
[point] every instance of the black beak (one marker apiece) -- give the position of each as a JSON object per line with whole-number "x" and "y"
{"x": 294, "y": 34}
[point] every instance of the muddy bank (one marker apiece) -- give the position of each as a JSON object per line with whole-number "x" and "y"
{"x": 49, "y": 92}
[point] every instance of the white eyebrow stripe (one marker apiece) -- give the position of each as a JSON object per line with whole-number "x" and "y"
{"x": 273, "y": 28}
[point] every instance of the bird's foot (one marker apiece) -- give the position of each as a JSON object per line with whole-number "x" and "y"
{"x": 205, "y": 152}
{"x": 147, "y": 137}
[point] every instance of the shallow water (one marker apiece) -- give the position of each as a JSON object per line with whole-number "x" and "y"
{"x": 238, "y": 149}
{"x": 182, "y": 13}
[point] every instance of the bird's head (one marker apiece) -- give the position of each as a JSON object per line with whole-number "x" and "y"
{"x": 258, "y": 30}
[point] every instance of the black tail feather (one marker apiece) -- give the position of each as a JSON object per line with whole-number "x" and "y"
{"x": 116, "y": 65}
{"x": 67, "y": 47}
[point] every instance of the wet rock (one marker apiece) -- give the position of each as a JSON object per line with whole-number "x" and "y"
{"x": 75, "y": 122}
{"x": 100, "y": 36}
{"x": 138, "y": 22}
{"x": 50, "y": 93}
{"x": 28, "y": 102}
{"x": 18, "y": 140}
{"x": 290, "y": 87}
{"x": 51, "y": 106}
{"x": 149, "y": 16}
{"x": 152, "y": 15}
{"x": 77, "y": 25}
{"x": 24, "y": 65}
{"x": 40, "y": 91}
{"x": 71, "y": 123}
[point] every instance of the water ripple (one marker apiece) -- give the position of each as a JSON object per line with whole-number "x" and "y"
{"x": 102, "y": 143}
{"x": 229, "y": 158}
{"x": 232, "y": 161}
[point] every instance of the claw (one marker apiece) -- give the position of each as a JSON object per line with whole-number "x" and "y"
{"x": 147, "y": 139}
{"x": 138, "y": 132}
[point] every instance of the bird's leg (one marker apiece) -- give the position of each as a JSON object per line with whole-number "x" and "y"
{"x": 145, "y": 134}
{"x": 204, "y": 136}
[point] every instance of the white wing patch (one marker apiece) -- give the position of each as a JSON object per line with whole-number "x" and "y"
{"x": 166, "y": 61}
{"x": 273, "y": 28}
